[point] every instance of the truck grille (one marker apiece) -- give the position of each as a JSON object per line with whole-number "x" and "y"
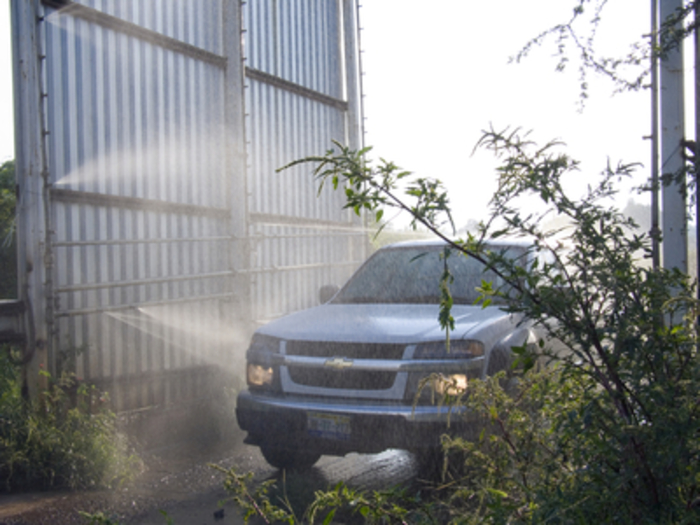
{"x": 348, "y": 378}
{"x": 348, "y": 350}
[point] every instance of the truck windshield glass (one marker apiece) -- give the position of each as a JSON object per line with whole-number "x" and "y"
{"x": 412, "y": 275}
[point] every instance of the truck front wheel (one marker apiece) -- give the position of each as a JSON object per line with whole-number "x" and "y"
{"x": 288, "y": 458}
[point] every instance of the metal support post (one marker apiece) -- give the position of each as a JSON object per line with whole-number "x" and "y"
{"x": 675, "y": 242}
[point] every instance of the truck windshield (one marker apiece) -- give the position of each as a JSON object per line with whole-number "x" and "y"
{"x": 412, "y": 275}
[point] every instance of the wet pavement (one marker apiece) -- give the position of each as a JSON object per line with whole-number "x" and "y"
{"x": 366, "y": 471}
{"x": 180, "y": 482}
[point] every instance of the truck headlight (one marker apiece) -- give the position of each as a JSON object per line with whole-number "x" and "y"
{"x": 260, "y": 375}
{"x": 260, "y": 371}
{"x": 451, "y": 384}
{"x": 429, "y": 387}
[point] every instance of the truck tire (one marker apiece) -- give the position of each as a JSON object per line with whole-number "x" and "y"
{"x": 288, "y": 458}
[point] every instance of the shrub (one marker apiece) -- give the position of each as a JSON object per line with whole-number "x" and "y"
{"x": 8, "y": 248}
{"x": 67, "y": 438}
{"x": 613, "y": 434}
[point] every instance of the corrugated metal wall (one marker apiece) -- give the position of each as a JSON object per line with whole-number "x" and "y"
{"x": 166, "y": 234}
{"x": 140, "y": 196}
{"x": 296, "y": 103}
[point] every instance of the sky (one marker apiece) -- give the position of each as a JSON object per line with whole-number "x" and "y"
{"x": 438, "y": 73}
{"x": 435, "y": 78}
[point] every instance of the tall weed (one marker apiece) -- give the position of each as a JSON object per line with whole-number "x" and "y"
{"x": 67, "y": 438}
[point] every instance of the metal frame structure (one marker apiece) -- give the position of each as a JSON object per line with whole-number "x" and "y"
{"x": 151, "y": 216}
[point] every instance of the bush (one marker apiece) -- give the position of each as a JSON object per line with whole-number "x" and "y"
{"x": 610, "y": 431}
{"x": 67, "y": 438}
{"x": 612, "y": 434}
{"x": 8, "y": 248}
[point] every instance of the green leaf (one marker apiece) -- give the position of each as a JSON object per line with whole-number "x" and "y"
{"x": 329, "y": 517}
{"x": 497, "y": 493}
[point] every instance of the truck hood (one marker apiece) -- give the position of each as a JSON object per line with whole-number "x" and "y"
{"x": 381, "y": 323}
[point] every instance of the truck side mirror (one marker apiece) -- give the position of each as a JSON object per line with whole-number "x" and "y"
{"x": 327, "y": 292}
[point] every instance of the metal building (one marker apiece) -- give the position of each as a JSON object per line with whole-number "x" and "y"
{"x": 154, "y": 231}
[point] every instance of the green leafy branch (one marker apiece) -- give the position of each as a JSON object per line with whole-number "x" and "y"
{"x": 629, "y": 72}
{"x": 623, "y": 333}
{"x": 256, "y": 502}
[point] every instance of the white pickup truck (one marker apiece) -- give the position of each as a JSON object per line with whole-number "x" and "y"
{"x": 344, "y": 376}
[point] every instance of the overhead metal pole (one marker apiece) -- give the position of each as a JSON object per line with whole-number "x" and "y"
{"x": 33, "y": 234}
{"x": 696, "y": 171}
{"x": 352, "y": 75}
{"x": 239, "y": 314}
{"x": 675, "y": 240}
{"x": 655, "y": 225}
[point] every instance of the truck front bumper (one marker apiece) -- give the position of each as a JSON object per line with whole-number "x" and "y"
{"x": 336, "y": 427}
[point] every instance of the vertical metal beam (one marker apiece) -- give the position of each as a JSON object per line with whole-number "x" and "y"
{"x": 675, "y": 241}
{"x": 696, "y": 171}
{"x": 655, "y": 226}
{"x": 34, "y": 262}
{"x": 234, "y": 138}
{"x": 354, "y": 120}
{"x": 352, "y": 75}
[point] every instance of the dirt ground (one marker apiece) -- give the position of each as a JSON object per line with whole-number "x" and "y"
{"x": 176, "y": 478}
{"x": 179, "y": 481}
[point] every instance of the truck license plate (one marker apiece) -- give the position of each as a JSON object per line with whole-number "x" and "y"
{"x": 328, "y": 426}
